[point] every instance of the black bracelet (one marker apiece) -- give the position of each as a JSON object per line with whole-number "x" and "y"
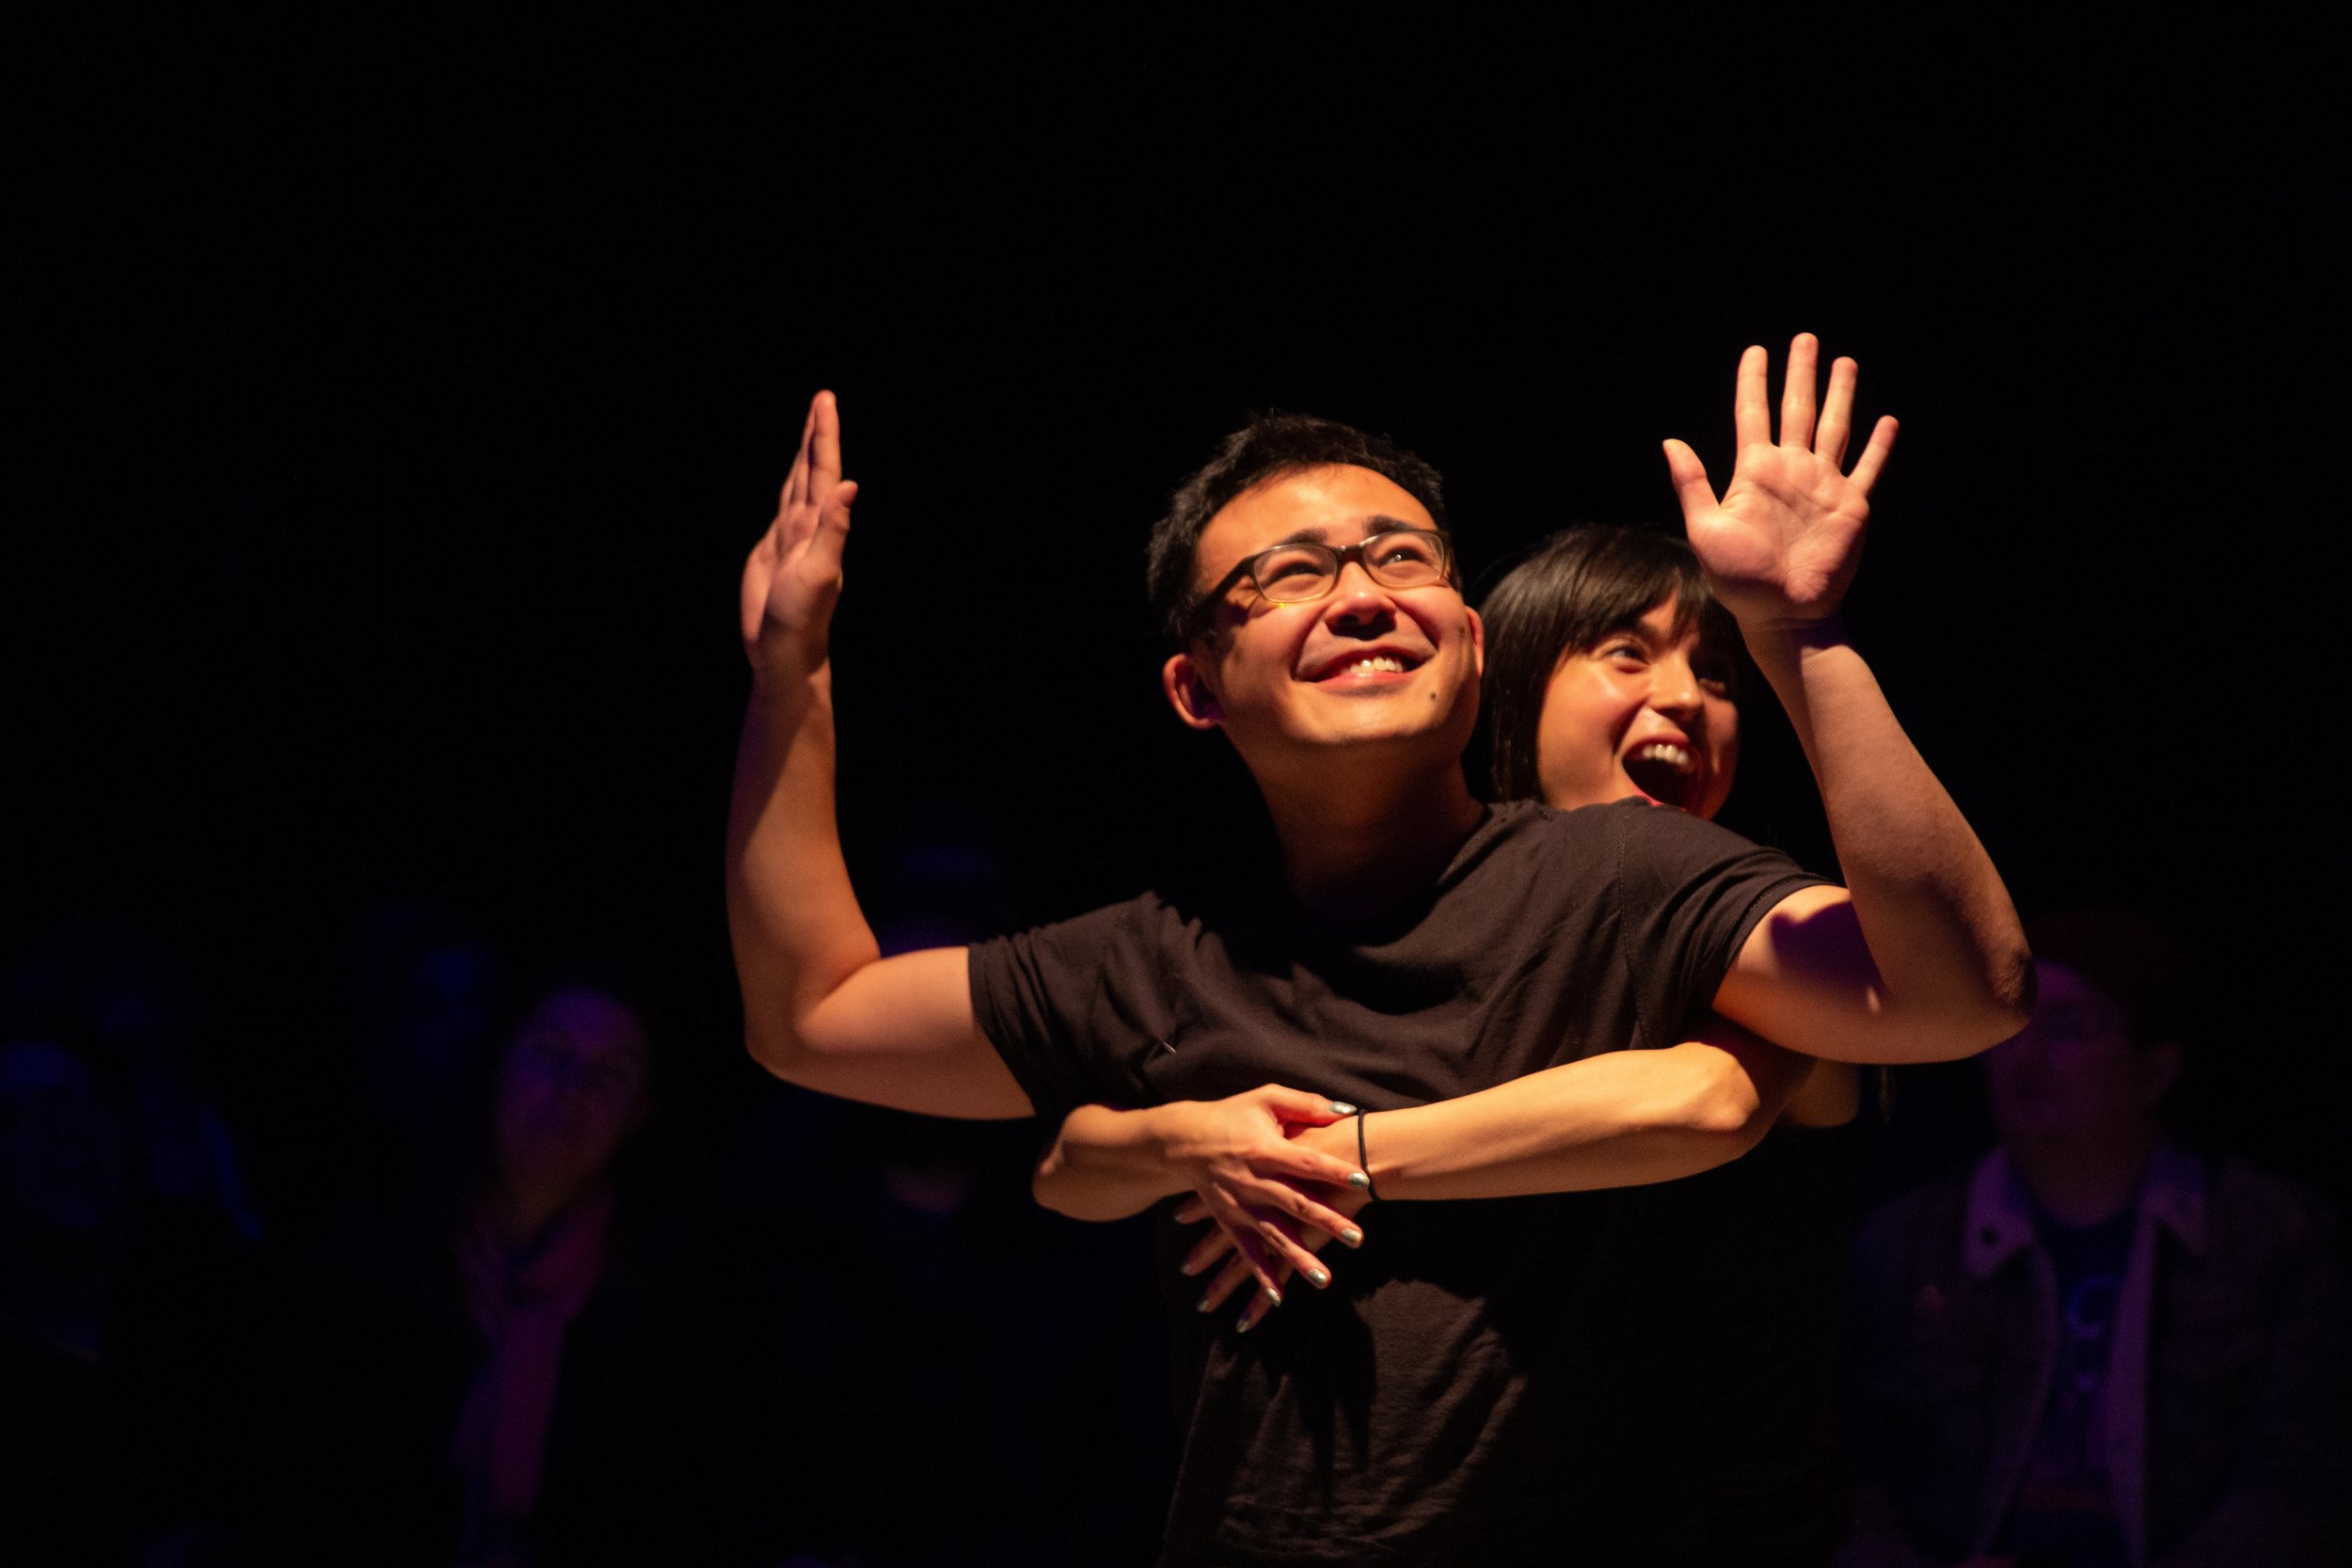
{"x": 1362, "y": 1162}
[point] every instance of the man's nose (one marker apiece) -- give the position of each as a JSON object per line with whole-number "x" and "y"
{"x": 1356, "y": 600}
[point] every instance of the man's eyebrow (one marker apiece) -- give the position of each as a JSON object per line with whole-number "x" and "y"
{"x": 1377, "y": 522}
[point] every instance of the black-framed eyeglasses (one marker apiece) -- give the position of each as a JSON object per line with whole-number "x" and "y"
{"x": 1303, "y": 571}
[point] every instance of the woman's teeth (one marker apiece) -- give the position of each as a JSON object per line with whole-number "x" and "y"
{"x": 1676, "y": 757}
{"x": 1378, "y": 664}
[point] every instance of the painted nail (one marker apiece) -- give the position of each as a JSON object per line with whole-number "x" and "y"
{"x": 1271, "y": 1294}
{"x": 1359, "y": 1180}
{"x": 1341, "y": 1108}
{"x": 1192, "y": 1265}
{"x": 1206, "y": 1305}
{"x": 1352, "y": 1236}
{"x": 1247, "y": 1322}
{"x": 1320, "y": 1279}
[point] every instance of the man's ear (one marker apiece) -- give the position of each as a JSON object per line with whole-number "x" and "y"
{"x": 1186, "y": 682}
{"x": 1478, "y": 640}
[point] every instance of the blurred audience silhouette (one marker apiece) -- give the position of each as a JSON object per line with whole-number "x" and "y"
{"x": 126, "y": 1242}
{"x": 117, "y": 1302}
{"x": 2097, "y": 1348}
{"x": 548, "y": 1355}
{"x": 534, "y": 1310}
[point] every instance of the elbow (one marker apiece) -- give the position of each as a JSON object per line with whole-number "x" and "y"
{"x": 777, "y": 1049}
{"x": 2003, "y": 1004}
{"x": 1044, "y": 1189}
{"x": 1722, "y": 1104}
{"x": 1999, "y": 1013}
{"x": 2015, "y": 990}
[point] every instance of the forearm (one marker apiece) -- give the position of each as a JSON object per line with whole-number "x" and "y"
{"x": 1106, "y": 1165}
{"x": 1623, "y": 1119}
{"x": 797, "y": 929}
{"x": 1949, "y": 955}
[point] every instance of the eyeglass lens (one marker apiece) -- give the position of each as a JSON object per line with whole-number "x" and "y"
{"x": 1291, "y": 574}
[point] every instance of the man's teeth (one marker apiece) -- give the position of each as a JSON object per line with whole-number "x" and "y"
{"x": 1674, "y": 757}
{"x": 1381, "y": 664}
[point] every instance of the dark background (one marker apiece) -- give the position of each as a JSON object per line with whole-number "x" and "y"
{"x": 403, "y": 397}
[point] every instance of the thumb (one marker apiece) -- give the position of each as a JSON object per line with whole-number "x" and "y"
{"x": 1689, "y": 478}
{"x": 1297, "y": 1105}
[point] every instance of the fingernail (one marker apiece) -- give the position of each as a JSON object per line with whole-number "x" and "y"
{"x": 1192, "y": 1265}
{"x": 1359, "y": 1180}
{"x": 1352, "y": 1236}
{"x": 1320, "y": 1279}
{"x": 1205, "y": 1304}
{"x": 1272, "y": 1295}
{"x": 1247, "y": 1320}
{"x": 1341, "y": 1108}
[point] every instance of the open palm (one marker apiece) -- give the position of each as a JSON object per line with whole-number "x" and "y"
{"x": 1781, "y": 544}
{"x": 792, "y": 578}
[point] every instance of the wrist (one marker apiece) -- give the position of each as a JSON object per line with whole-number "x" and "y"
{"x": 1164, "y": 1135}
{"x": 1788, "y": 641}
{"x": 1337, "y": 1140}
{"x": 786, "y": 681}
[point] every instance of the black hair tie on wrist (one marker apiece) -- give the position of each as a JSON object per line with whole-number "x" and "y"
{"x": 1364, "y": 1162}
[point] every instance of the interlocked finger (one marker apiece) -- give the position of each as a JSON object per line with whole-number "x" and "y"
{"x": 1207, "y": 1250}
{"x": 1288, "y": 1251}
{"x": 1228, "y": 1279}
{"x": 1292, "y": 1199}
{"x": 1241, "y": 1227}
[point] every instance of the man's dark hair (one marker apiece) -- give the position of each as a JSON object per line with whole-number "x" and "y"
{"x": 1268, "y": 446}
{"x": 1580, "y": 585}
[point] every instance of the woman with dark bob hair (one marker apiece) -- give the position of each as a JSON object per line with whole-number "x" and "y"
{"x": 1580, "y": 589}
{"x": 1612, "y": 672}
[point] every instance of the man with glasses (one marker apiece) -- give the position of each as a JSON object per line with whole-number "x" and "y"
{"x": 1412, "y": 945}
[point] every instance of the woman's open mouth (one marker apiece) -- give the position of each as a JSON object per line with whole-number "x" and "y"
{"x": 1664, "y": 771}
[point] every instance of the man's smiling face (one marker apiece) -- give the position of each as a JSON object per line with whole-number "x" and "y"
{"x": 1364, "y": 664}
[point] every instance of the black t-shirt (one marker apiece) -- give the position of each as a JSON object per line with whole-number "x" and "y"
{"x": 1447, "y": 1400}
{"x": 1741, "y": 1404}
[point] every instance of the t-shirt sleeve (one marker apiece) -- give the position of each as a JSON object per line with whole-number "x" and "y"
{"x": 1046, "y": 999}
{"x": 1689, "y": 892}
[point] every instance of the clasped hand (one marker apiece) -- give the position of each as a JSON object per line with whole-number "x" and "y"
{"x": 1276, "y": 1199}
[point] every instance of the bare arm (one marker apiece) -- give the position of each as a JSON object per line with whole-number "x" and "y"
{"x": 1279, "y": 1186}
{"x": 821, "y": 1008}
{"x": 1620, "y": 1119}
{"x": 1921, "y": 958}
{"x": 1238, "y": 1154}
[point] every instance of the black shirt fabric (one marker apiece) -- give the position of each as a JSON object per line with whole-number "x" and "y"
{"x": 1742, "y": 1403}
{"x": 1449, "y": 1399}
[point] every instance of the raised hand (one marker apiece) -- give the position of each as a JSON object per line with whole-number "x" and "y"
{"x": 1261, "y": 1186}
{"x": 1781, "y": 545}
{"x": 793, "y": 576}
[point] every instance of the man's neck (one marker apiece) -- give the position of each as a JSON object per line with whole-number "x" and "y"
{"x": 1365, "y": 846}
{"x": 2083, "y": 1182}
